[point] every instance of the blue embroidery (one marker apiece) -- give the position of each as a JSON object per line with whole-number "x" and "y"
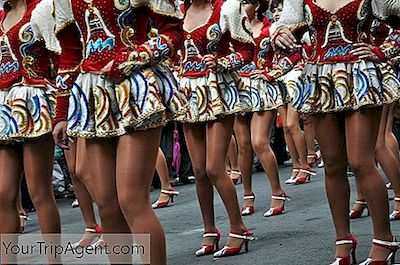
{"x": 60, "y": 82}
{"x": 28, "y": 38}
{"x": 248, "y": 68}
{"x": 99, "y": 46}
{"x": 338, "y": 51}
{"x": 194, "y": 66}
{"x": 6, "y": 68}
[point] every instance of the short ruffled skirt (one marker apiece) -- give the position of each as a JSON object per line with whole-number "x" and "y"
{"x": 290, "y": 81}
{"x": 26, "y": 112}
{"x": 328, "y": 88}
{"x": 265, "y": 96}
{"x": 99, "y": 108}
{"x": 212, "y": 97}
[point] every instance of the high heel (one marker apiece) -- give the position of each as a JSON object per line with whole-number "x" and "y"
{"x": 237, "y": 180}
{"x": 306, "y": 178}
{"x": 160, "y": 204}
{"x": 249, "y": 210}
{"x": 210, "y": 249}
{"x": 312, "y": 159}
{"x": 355, "y": 214}
{"x": 392, "y": 246}
{"x": 280, "y": 210}
{"x": 348, "y": 260}
{"x": 395, "y": 215}
{"x": 226, "y": 251}
{"x": 96, "y": 236}
{"x": 293, "y": 177}
{"x": 23, "y": 218}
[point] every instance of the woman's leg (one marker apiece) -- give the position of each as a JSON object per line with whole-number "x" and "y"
{"x": 309, "y": 136}
{"x": 290, "y": 142}
{"x": 386, "y": 158}
{"x": 329, "y": 128}
{"x": 218, "y": 138}
{"x": 163, "y": 173}
{"x": 38, "y": 165}
{"x": 261, "y": 126}
{"x": 82, "y": 194}
{"x": 195, "y": 136}
{"x": 391, "y": 140}
{"x": 10, "y": 174}
{"x": 134, "y": 176}
{"x": 243, "y": 136}
{"x": 233, "y": 159}
{"x": 361, "y": 134}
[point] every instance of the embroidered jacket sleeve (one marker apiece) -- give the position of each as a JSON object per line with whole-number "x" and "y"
{"x": 235, "y": 21}
{"x": 167, "y": 19}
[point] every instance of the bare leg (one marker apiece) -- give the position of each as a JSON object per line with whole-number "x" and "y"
{"x": 361, "y": 133}
{"x": 162, "y": 170}
{"x": 195, "y": 136}
{"x": 218, "y": 138}
{"x": 243, "y": 136}
{"x": 391, "y": 140}
{"x": 134, "y": 176}
{"x": 261, "y": 126}
{"x": 10, "y": 173}
{"x": 233, "y": 155}
{"x": 328, "y": 128}
{"x": 309, "y": 136}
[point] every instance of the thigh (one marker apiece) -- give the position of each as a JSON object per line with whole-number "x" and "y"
{"x": 382, "y": 125}
{"x": 70, "y": 157}
{"x": 242, "y": 130}
{"x": 261, "y": 126}
{"x": 293, "y": 117}
{"x": 38, "y": 159}
{"x": 10, "y": 172}
{"x": 218, "y": 135}
{"x": 136, "y": 160}
{"x": 195, "y": 137}
{"x": 330, "y": 133}
{"x": 362, "y": 129}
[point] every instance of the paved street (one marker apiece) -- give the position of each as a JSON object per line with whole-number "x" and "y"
{"x": 304, "y": 235}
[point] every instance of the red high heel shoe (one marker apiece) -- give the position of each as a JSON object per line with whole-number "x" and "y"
{"x": 390, "y": 260}
{"x": 355, "y": 214}
{"x": 280, "y": 210}
{"x": 249, "y": 210}
{"x": 210, "y": 249}
{"x": 92, "y": 241}
{"x": 306, "y": 178}
{"x": 346, "y": 260}
{"x": 312, "y": 159}
{"x": 237, "y": 180}
{"x": 226, "y": 251}
{"x": 292, "y": 179}
{"x": 171, "y": 193}
{"x": 395, "y": 215}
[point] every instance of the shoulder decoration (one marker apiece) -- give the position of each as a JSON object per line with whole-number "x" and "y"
{"x": 169, "y": 8}
{"x": 63, "y": 14}
{"x": 385, "y": 9}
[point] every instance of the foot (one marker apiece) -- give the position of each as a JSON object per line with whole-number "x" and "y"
{"x": 75, "y": 203}
{"x": 90, "y": 237}
{"x": 312, "y": 159}
{"x": 358, "y": 209}
{"x": 395, "y": 214}
{"x": 248, "y": 204}
{"x": 304, "y": 175}
{"x": 276, "y": 203}
{"x": 236, "y": 176}
{"x": 379, "y": 252}
{"x": 293, "y": 176}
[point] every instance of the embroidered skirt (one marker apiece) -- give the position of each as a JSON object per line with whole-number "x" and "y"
{"x": 26, "y": 112}
{"x": 338, "y": 87}
{"x": 100, "y": 108}
{"x": 212, "y": 97}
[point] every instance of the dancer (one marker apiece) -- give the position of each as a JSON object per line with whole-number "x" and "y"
{"x": 118, "y": 121}
{"x": 343, "y": 93}
{"x": 208, "y": 77}
{"x": 167, "y": 191}
{"x": 27, "y": 104}
{"x": 253, "y": 129}
{"x": 74, "y": 159}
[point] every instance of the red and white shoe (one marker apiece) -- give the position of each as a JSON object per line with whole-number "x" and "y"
{"x": 390, "y": 260}
{"x": 162, "y": 204}
{"x": 249, "y": 210}
{"x": 91, "y": 240}
{"x": 306, "y": 176}
{"x": 395, "y": 215}
{"x": 346, "y": 260}
{"x": 355, "y": 214}
{"x": 226, "y": 251}
{"x": 292, "y": 179}
{"x": 210, "y": 249}
{"x": 280, "y": 210}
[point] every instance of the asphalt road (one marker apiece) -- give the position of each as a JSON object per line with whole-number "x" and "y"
{"x": 303, "y": 235}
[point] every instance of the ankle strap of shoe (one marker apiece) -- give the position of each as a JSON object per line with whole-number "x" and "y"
{"x": 249, "y": 197}
{"x": 344, "y": 242}
{"x": 396, "y": 199}
{"x": 211, "y": 234}
{"x": 283, "y": 197}
{"x": 307, "y": 171}
{"x": 361, "y": 202}
{"x": 90, "y": 230}
{"x": 387, "y": 244}
{"x": 170, "y": 192}
{"x": 244, "y": 236}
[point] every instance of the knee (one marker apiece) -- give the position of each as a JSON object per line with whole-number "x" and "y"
{"x": 335, "y": 168}
{"x": 260, "y": 144}
{"x": 361, "y": 166}
{"x": 8, "y": 199}
{"x": 214, "y": 171}
{"x": 134, "y": 206}
{"x": 200, "y": 174}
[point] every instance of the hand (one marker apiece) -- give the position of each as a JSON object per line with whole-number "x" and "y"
{"x": 60, "y": 135}
{"x": 365, "y": 51}
{"x": 210, "y": 61}
{"x": 285, "y": 40}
